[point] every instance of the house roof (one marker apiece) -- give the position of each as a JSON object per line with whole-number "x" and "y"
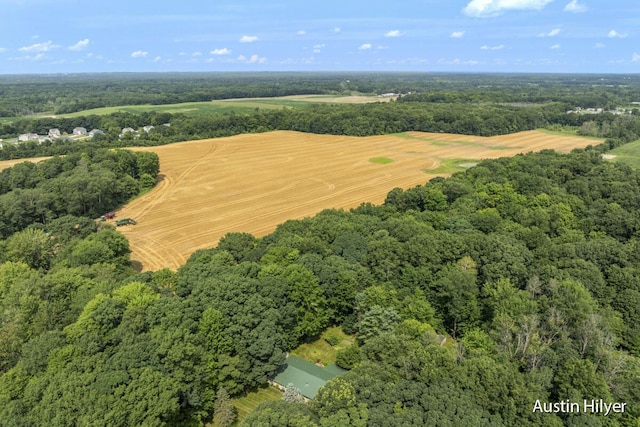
{"x": 305, "y": 375}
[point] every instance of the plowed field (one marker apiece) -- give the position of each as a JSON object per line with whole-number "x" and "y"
{"x": 253, "y": 182}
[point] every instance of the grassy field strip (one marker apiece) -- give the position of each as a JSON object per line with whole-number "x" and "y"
{"x": 238, "y": 105}
{"x": 248, "y": 403}
{"x": 440, "y": 143}
{"x": 320, "y": 350}
{"x": 628, "y": 153}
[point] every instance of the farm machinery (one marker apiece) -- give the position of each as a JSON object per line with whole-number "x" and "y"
{"x": 125, "y": 221}
{"x": 108, "y": 215}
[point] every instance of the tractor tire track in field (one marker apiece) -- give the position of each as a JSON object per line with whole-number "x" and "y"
{"x": 165, "y": 192}
{"x": 253, "y": 182}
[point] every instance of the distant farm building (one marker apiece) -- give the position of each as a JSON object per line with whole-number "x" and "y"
{"x": 79, "y": 131}
{"x": 54, "y": 133}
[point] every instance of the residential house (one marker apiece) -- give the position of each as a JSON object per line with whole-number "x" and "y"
{"x": 54, "y": 133}
{"x": 148, "y": 128}
{"x": 79, "y": 131}
{"x": 95, "y": 132}
{"x": 27, "y": 137}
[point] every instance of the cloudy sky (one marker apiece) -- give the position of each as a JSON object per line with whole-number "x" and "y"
{"x": 53, "y": 36}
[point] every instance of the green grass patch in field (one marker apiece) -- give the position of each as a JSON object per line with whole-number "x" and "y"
{"x": 381, "y": 160}
{"x": 240, "y": 106}
{"x": 248, "y": 403}
{"x": 187, "y": 108}
{"x": 452, "y": 165}
{"x": 440, "y": 143}
{"x": 627, "y": 153}
{"x": 567, "y": 131}
{"x": 320, "y": 350}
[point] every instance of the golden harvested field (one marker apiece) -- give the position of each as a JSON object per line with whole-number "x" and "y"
{"x": 4, "y": 164}
{"x": 253, "y": 182}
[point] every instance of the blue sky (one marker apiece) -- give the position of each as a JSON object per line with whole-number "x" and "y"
{"x": 68, "y": 36}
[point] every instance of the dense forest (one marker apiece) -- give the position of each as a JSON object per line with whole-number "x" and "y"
{"x": 468, "y": 298}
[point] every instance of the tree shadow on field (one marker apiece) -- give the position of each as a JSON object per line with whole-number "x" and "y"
{"x": 136, "y": 265}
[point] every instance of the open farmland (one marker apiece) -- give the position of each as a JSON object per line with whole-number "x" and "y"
{"x": 220, "y": 106}
{"x": 253, "y": 182}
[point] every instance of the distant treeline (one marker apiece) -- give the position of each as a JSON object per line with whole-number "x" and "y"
{"x": 59, "y": 94}
{"x": 336, "y": 119}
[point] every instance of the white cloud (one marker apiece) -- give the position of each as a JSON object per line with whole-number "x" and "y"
{"x": 488, "y": 8}
{"x": 365, "y": 46}
{"x": 575, "y": 7}
{"x": 635, "y": 57}
{"x": 248, "y": 39}
{"x": 458, "y": 61}
{"x": 613, "y": 34}
{"x": 317, "y": 47}
{"x": 139, "y": 54}
{"x": 40, "y": 47}
{"x": 222, "y": 51}
{"x": 551, "y": 33}
{"x": 498, "y": 47}
{"x": 301, "y": 32}
{"x": 253, "y": 59}
{"x": 81, "y": 45}
{"x": 555, "y": 46}
{"x": 36, "y": 57}
{"x": 599, "y": 45}
{"x": 195, "y": 54}
{"x": 157, "y": 59}
{"x": 457, "y": 35}
{"x": 393, "y": 33}
{"x": 3, "y": 49}
{"x": 336, "y": 29}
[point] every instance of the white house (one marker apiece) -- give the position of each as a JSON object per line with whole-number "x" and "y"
{"x": 79, "y": 131}
{"x": 147, "y": 128}
{"x": 95, "y": 132}
{"x": 54, "y": 133}
{"x": 27, "y": 137}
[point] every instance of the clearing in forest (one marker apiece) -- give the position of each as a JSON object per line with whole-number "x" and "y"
{"x": 253, "y": 182}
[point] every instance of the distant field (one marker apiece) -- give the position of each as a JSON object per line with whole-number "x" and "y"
{"x": 240, "y": 105}
{"x": 628, "y": 153}
{"x": 4, "y": 164}
{"x": 253, "y": 182}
